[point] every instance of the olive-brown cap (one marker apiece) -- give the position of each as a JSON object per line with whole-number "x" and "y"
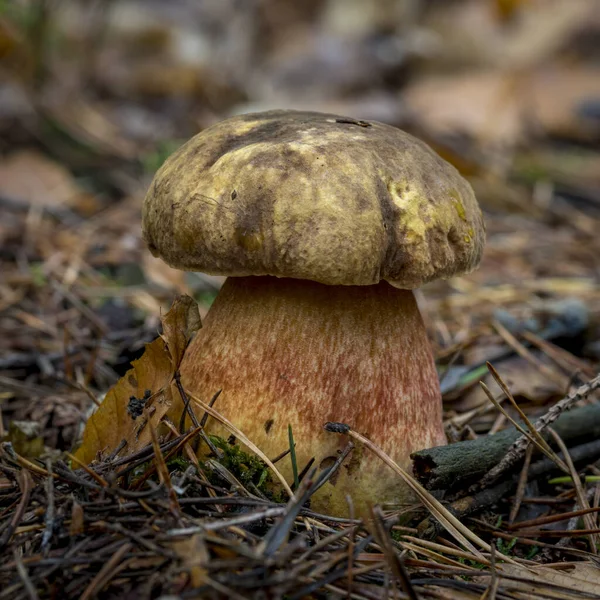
{"x": 313, "y": 196}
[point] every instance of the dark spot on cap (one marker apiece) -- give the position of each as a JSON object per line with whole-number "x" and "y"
{"x": 233, "y": 194}
{"x": 268, "y": 425}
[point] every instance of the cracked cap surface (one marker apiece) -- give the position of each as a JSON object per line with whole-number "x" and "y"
{"x": 313, "y": 196}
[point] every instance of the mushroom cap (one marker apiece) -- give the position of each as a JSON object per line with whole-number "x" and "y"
{"x": 313, "y": 196}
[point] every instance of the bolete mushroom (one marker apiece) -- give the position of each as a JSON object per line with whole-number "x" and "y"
{"x": 323, "y": 225}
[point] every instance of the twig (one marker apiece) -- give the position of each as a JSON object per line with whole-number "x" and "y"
{"x": 521, "y": 486}
{"x": 163, "y": 472}
{"x": 583, "y": 503}
{"x": 88, "y": 470}
{"x": 102, "y": 578}
{"x": 393, "y": 559}
{"x": 488, "y": 496}
{"x": 187, "y": 409}
{"x": 517, "y": 450}
{"x": 268, "y": 513}
{"x": 25, "y": 483}
{"x": 22, "y": 571}
{"x": 50, "y": 509}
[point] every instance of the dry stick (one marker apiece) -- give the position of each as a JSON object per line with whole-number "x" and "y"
{"x": 351, "y": 538}
{"x": 521, "y": 486}
{"x": 268, "y": 513}
{"x": 518, "y": 448}
{"x": 25, "y": 485}
{"x": 490, "y": 495}
{"x": 553, "y": 518}
{"x": 490, "y": 592}
{"x": 541, "y": 443}
{"x": 50, "y": 510}
{"x": 163, "y": 472}
{"x": 87, "y": 469}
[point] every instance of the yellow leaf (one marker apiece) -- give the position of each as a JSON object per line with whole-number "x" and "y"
{"x": 179, "y": 324}
{"x": 147, "y": 383}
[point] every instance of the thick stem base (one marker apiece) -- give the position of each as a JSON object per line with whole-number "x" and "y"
{"x": 287, "y": 351}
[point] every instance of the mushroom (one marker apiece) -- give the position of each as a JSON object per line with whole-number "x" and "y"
{"x": 323, "y": 225}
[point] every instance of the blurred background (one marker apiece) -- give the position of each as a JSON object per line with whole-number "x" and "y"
{"x": 95, "y": 94}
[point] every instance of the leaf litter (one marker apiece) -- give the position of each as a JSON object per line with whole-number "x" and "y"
{"x": 97, "y": 503}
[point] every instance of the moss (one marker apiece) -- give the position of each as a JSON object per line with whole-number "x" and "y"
{"x": 248, "y": 468}
{"x": 178, "y": 463}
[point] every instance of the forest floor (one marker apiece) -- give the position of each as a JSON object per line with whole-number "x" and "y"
{"x": 92, "y": 100}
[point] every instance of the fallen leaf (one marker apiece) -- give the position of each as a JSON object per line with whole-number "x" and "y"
{"x": 77, "y": 520}
{"x": 179, "y": 325}
{"x": 194, "y": 555}
{"x": 473, "y": 33}
{"x": 570, "y": 584}
{"x": 498, "y": 108}
{"x": 558, "y": 97}
{"x": 482, "y": 105}
{"x": 30, "y": 178}
{"x": 145, "y": 386}
{"x": 525, "y": 382}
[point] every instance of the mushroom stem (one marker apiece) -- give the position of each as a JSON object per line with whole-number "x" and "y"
{"x": 287, "y": 351}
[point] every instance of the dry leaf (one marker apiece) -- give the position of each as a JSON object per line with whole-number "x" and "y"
{"x": 194, "y": 554}
{"x": 583, "y": 579}
{"x": 524, "y": 381}
{"x": 30, "y": 178}
{"x": 153, "y": 372}
{"x": 482, "y": 104}
{"x": 557, "y": 99}
{"x": 179, "y": 325}
{"x": 473, "y": 33}
{"x": 77, "y": 520}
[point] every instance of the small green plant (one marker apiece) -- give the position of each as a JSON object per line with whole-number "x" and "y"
{"x": 568, "y": 479}
{"x": 178, "y": 463}
{"x": 470, "y": 563}
{"x": 505, "y": 547}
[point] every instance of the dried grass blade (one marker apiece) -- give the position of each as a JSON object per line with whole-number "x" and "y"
{"x": 87, "y": 469}
{"x": 581, "y": 497}
{"x": 523, "y": 352}
{"x": 544, "y": 448}
{"x": 163, "y": 470}
{"x": 459, "y": 531}
{"x": 394, "y": 562}
{"x": 541, "y": 442}
{"x": 240, "y": 436}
